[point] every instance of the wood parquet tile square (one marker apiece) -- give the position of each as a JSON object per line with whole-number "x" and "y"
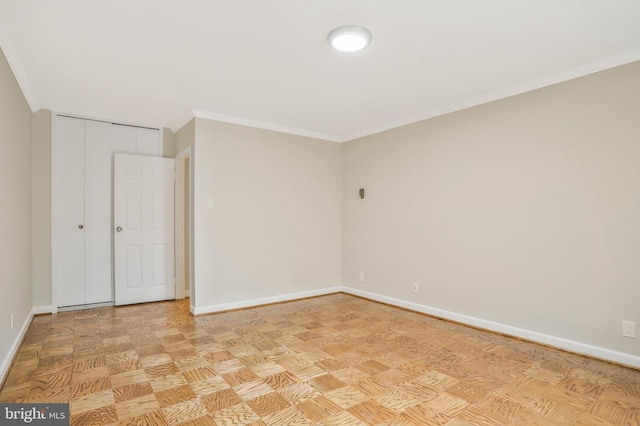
{"x": 268, "y": 404}
{"x": 210, "y": 385}
{"x": 220, "y": 400}
{"x": 170, "y": 381}
{"x": 128, "y": 378}
{"x": 239, "y": 414}
{"x": 372, "y": 413}
{"x": 155, "y": 418}
{"x": 318, "y": 408}
{"x": 331, "y": 360}
{"x": 100, "y": 416}
{"x": 92, "y": 401}
{"x": 184, "y": 411}
{"x": 137, "y": 406}
{"x": 135, "y": 390}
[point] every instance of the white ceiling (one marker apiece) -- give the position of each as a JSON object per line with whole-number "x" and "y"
{"x": 266, "y": 63}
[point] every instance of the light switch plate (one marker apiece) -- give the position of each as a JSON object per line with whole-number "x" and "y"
{"x": 629, "y": 329}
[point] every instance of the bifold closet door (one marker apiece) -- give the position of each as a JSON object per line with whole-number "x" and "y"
{"x": 97, "y": 213}
{"x": 69, "y": 225}
{"x": 83, "y": 268}
{"x": 135, "y": 140}
{"x": 83, "y": 204}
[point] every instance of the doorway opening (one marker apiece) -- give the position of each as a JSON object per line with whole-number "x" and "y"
{"x": 183, "y": 228}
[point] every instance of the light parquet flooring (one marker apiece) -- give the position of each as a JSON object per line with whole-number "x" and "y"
{"x": 331, "y": 360}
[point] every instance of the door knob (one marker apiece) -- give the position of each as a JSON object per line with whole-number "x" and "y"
{"x": 80, "y": 226}
{"x": 119, "y": 229}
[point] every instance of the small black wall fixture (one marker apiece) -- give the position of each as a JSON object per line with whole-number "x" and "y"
{"x": 361, "y": 192}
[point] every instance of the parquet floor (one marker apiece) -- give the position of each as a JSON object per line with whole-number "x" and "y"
{"x": 331, "y": 360}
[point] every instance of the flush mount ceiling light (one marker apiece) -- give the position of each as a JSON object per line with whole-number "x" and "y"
{"x": 349, "y": 38}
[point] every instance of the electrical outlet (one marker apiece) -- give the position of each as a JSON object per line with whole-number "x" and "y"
{"x": 416, "y": 287}
{"x": 361, "y": 277}
{"x": 11, "y": 319}
{"x": 629, "y": 329}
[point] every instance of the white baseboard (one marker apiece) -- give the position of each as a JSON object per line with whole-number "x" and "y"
{"x": 558, "y": 342}
{"x": 37, "y": 310}
{"x": 199, "y": 310}
{"x": 13, "y": 350}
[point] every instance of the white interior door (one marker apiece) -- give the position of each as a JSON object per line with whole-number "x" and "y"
{"x": 144, "y": 229}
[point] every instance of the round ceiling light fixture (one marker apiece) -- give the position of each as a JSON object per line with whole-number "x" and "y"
{"x": 349, "y": 38}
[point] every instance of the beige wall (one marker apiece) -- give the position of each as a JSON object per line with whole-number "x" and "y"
{"x": 524, "y": 211}
{"x": 185, "y": 137}
{"x": 275, "y": 228}
{"x": 168, "y": 143}
{"x": 41, "y": 207}
{"x": 15, "y": 211}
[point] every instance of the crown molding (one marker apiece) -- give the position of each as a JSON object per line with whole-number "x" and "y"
{"x": 264, "y": 125}
{"x": 180, "y": 123}
{"x": 527, "y": 86}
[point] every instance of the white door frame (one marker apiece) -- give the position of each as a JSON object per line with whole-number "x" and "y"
{"x": 56, "y": 236}
{"x": 182, "y": 262}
